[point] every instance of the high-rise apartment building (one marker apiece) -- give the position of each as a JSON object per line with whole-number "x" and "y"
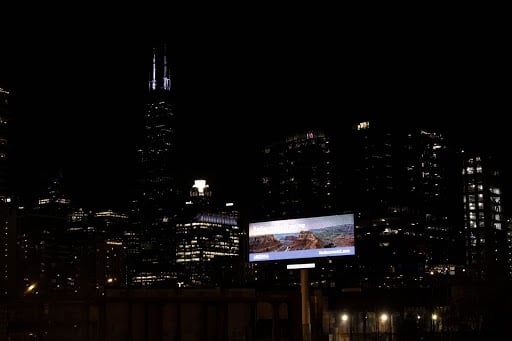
{"x": 156, "y": 199}
{"x": 405, "y": 199}
{"x": 485, "y": 230}
{"x": 299, "y": 176}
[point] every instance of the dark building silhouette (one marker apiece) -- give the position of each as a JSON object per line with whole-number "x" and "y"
{"x": 62, "y": 250}
{"x": 299, "y": 178}
{"x": 114, "y": 239}
{"x": 47, "y": 253}
{"x": 57, "y": 249}
{"x": 154, "y": 207}
{"x": 5, "y": 190}
{"x": 406, "y": 190}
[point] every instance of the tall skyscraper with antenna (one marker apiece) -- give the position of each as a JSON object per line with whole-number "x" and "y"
{"x": 156, "y": 199}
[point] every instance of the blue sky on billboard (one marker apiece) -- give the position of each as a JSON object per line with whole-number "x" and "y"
{"x": 302, "y": 238}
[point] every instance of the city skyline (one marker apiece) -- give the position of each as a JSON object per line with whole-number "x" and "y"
{"x": 426, "y": 228}
{"x": 77, "y": 103}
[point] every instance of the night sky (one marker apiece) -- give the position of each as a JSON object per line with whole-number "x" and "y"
{"x": 77, "y": 89}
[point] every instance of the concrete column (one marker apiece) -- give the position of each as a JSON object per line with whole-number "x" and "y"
{"x": 304, "y": 290}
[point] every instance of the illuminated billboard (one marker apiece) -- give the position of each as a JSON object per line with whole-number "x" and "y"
{"x": 325, "y": 236}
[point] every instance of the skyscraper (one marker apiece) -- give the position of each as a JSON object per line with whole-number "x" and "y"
{"x": 156, "y": 199}
{"x": 208, "y": 241}
{"x": 406, "y": 191}
{"x": 4, "y": 153}
{"x": 299, "y": 176}
{"x": 484, "y": 229}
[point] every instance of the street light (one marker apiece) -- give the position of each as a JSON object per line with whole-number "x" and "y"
{"x": 434, "y": 319}
{"x": 30, "y": 288}
{"x": 382, "y": 318}
{"x": 346, "y": 318}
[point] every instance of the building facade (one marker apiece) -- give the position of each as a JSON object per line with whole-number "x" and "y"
{"x": 406, "y": 191}
{"x": 485, "y": 230}
{"x": 298, "y": 177}
{"x": 208, "y": 241}
{"x": 154, "y": 206}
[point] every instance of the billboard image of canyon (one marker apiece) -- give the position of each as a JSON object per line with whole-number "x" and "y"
{"x": 323, "y": 236}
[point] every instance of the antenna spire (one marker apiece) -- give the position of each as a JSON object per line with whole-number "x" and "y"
{"x": 166, "y": 75}
{"x": 152, "y": 82}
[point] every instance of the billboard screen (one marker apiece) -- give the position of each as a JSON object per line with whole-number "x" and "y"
{"x": 324, "y": 236}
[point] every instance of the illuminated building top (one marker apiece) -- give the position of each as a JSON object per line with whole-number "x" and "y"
{"x": 200, "y": 185}
{"x": 160, "y": 74}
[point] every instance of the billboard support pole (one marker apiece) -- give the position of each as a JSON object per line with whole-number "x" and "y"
{"x": 304, "y": 291}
